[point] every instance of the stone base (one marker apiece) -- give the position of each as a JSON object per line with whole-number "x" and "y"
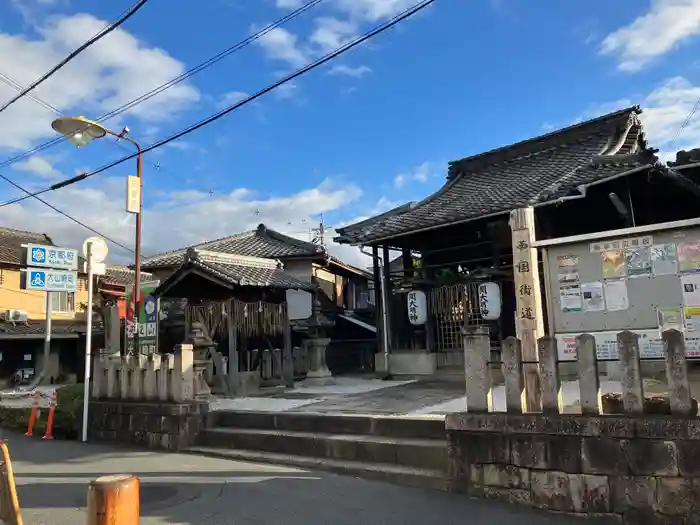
{"x": 319, "y": 380}
{"x": 244, "y": 384}
{"x": 409, "y": 363}
{"x": 169, "y": 426}
{"x": 633, "y": 470}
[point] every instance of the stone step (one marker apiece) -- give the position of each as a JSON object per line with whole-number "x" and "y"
{"x": 420, "y": 428}
{"x": 408, "y": 452}
{"x": 396, "y": 474}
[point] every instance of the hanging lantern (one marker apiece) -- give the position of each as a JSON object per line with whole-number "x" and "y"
{"x": 417, "y": 307}
{"x": 490, "y": 301}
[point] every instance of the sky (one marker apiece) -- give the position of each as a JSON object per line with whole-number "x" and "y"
{"x": 368, "y": 131}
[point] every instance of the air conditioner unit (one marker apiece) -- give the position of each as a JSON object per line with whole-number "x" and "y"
{"x": 16, "y": 316}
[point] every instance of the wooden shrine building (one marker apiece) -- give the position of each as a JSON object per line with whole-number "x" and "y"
{"x": 593, "y": 176}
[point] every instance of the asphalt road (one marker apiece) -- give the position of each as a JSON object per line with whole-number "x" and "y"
{"x": 52, "y": 480}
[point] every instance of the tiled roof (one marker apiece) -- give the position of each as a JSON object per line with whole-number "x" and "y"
{"x": 122, "y": 276}
{"x": 538, "y": 170}
{"x": 261, "y": 242}
{"x": 686, "y": 158}
{"x": 11, "y": 242}
{"x": 37, "y": 328}
{"x": 237, "y": 270}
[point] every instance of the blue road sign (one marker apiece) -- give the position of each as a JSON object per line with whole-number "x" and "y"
{"x": 52, "y": 257}
{"x": 51, "y": 280}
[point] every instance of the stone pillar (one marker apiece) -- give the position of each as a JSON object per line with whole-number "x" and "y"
{"x": 317, "y": 358}
{"x": 183, "y": 373}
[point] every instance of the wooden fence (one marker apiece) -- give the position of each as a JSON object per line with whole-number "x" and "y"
{"x": 478, "y": 382}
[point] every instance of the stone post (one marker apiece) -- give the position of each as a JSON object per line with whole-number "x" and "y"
{"x": 512, "y": 364}
{"x": 477, "y": 377}
{"x": 183, "y": 373}
{"x": 588, "y": 380}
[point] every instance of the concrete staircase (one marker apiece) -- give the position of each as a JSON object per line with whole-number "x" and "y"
{"x": 409, "y": 452}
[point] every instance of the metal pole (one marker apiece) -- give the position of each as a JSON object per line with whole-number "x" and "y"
{"x": 385, "y": 327}
{"x": 137, "y": 250}
{"x": 88, "y": 344}
{"x": 47, "y": 348}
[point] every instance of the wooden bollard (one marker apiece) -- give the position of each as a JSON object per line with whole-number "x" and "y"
{"x": 113, "y": 500}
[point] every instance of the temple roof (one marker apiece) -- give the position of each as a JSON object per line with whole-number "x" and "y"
{"x": 230, "y": 271}
{"x": 261, "y": 242}
{"x": 538, "y": 170}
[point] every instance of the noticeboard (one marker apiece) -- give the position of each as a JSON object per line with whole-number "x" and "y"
{"x": 644, "y": 283}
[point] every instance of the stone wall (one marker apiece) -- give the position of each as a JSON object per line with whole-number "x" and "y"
{"x": 169, "y": 426}
{"x": 639, "y": 470}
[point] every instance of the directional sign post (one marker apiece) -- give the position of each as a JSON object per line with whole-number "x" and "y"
{"x": 49, "y": 269}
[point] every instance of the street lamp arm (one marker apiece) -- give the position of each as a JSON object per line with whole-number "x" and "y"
{"x": 121, "y": 136}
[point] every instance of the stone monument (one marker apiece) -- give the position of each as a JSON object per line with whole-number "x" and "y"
{"x": 316, "y": 345}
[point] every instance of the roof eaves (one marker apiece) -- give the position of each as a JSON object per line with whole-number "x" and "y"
{"x": 456, "y": 167}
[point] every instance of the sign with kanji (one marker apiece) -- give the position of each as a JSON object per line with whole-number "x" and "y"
{"x": 146, "y": 322}
{"x": 528, "y": 300}
{"x": 416, "y": 304}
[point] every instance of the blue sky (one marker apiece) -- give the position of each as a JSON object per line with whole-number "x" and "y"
{"x": 372, "y": 129}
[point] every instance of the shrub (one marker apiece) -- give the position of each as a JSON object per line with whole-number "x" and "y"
{"x": 67, "y": 417}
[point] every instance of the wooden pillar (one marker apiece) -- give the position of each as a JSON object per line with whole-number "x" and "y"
{"x": 528, "y": 299}
{"x": 407, "y": 261}
{"x": 429, "y": 275}
{"x": 233, "y": 376}
{"x": 376, "y": 271}
{"x": 287, "y": 358}
{"x": 387, "y": 289}
{"x": 113, "y": 500}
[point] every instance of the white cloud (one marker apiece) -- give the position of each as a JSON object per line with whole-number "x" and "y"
{"x": 232, "y": 97}
{"x": 281, "y": 44}
{"x": 374, "y": 10}
{"x": 110, "y": 73}
{"x": 331, "y": 33}
{"x": 286, "y": 91}
{"x": 356, "y": 72}
{"x": 289, "y": 4}
{"x": 666, "y": 25}
{"x": 209, "y": 216}
{"x": 420, "y": 173}
{"x": 665, "y": 109}
{"x": 38, "y": 165}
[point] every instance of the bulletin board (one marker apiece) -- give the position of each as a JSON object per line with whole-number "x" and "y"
{"x": 645, "y": 283}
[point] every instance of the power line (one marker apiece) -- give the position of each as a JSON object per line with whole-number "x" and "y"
{"x": 174, "y": 81}
{"x": 131, "y": 12}
{"x": 326, "y": 58}
{"x": 131, "y": 104}
{"x": 216, "y": 116}
{"x": 9, "y": 81}
{"x": 684, "y": 125}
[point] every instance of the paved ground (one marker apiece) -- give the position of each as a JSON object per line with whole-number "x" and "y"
{"x": 434, "y": 397}
{"x": 52, "y": 478}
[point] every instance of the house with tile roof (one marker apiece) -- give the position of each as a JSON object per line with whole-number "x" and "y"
{"x": 264, "y": 259}
{"x": 344, "y": 286}
{"x": 592, "y": 176}
{"x": 22, "y": 342}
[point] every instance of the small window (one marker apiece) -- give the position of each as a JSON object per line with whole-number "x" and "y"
{"x": 63, "y": 302}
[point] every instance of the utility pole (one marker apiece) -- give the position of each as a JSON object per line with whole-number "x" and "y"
{"x": 319, "y": 234}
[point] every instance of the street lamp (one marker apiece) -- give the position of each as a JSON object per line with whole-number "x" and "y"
{"x": 81, "y": 131}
